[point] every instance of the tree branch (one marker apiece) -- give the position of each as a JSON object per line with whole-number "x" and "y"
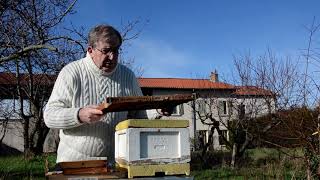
{"x": 25, "y": 50}
{"x": 65, "y": 13}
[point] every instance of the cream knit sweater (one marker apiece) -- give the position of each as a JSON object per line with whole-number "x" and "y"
{"x": 82, "y": 83}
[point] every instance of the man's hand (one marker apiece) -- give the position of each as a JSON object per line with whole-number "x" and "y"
{"x": 166, "y": 111}
{"x": 90, "y": 114}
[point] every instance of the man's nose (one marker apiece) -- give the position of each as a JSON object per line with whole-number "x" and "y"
{"x": 111, "y": 55}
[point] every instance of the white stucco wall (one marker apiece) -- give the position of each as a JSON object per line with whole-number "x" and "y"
{"x": 9, "y": 109}
{"x": 254, "y": 107}
{"x": 257, "y": 106}
{"x": 13, "y": 135}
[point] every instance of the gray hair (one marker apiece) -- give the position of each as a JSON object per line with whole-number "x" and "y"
{"x": 103, "y": 32}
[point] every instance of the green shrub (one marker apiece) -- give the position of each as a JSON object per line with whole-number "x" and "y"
{"x": 211, "y": 159}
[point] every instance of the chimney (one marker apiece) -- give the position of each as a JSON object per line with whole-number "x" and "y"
{"x": 214, "y": 76}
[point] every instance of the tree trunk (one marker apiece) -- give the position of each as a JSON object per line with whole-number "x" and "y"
{"x": 3, "y": 131}
{"x": 41, "y": 137}
{"x": 234, "y": 152}
{"x": 26, "y": 138}
{"x": 309, "y": 172}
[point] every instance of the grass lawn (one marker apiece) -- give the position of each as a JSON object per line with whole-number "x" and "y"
{"x": 260, "y": 163}
{"x": 263, "y": 164}
{"x": 16, "y": 167}
{"x": 246, "y": 173}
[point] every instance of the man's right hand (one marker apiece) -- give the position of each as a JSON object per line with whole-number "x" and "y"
{"x": 90, "y": 114}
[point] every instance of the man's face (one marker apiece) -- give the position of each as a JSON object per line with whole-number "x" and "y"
{"x": 105, "y": 55}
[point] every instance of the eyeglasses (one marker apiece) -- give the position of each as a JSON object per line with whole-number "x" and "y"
{"x": 109, "y": 50}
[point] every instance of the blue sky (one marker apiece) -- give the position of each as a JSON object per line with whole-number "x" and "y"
{"x": 189, "y": 39}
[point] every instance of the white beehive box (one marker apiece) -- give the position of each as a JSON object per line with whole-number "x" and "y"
{"x": 146, "y": 147}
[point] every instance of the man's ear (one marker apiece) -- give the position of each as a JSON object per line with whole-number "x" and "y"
{"x": 90, "y": 49}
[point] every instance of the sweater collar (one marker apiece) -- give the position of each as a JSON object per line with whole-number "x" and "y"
{"x": 93, "y": 67}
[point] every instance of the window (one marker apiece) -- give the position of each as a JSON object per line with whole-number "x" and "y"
{"x": 202, "y": 138}
{"x": 222, "y": 136}
{"x": 10, "y": 108}
{"x": 242, "y": 111}
{"x": 202, "y": 107}
{"x": 147, "y": 91}
{"x": 177, "y": 110}
{"x": 223, "y": 108}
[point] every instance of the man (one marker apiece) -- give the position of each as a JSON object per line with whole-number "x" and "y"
{"x": 85, "y": 133}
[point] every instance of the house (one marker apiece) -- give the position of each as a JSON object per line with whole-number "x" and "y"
{"x": 222, "y": 101}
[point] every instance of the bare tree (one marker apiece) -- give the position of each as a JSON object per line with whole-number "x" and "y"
{"x": 5, "y": 114}
{"x": 297, "y": 96}
{"x": 310, "y": 93}
{"x": 34, "y": 47}
{"x": 225, "y": 116}
{"x": 130, "y": 31}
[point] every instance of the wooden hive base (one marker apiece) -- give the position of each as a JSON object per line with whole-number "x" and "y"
{"x": 151, "y": 170}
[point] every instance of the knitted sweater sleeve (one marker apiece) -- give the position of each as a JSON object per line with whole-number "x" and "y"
{"x": 59, "y": 113}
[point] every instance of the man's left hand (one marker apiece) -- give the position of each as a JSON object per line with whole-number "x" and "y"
{"x": 166, "y": 111}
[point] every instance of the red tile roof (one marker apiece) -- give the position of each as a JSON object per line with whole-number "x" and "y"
{"x": 177, "y": 83}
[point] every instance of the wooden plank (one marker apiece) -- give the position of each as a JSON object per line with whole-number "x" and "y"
{"x": 81, "y": 176}
{"x": 82, "y": 164}
{"x": 106, "y": 177}
{"x": 128, "y": 103}
{"x": 90, "y": 170}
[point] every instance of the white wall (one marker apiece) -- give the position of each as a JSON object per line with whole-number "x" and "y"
{"x": 254, "y": 106}
{"x": 13, "y": 135}
{"x": 9, "y": 111}
{"x": 9, "y": 108}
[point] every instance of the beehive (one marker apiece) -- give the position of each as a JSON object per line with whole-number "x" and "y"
{"x": 147, "y": 147}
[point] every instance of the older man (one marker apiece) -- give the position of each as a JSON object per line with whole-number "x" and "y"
{"x": 85, "y": 133}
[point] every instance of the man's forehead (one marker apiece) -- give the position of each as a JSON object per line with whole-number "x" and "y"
{"x": 108, "y": 43}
